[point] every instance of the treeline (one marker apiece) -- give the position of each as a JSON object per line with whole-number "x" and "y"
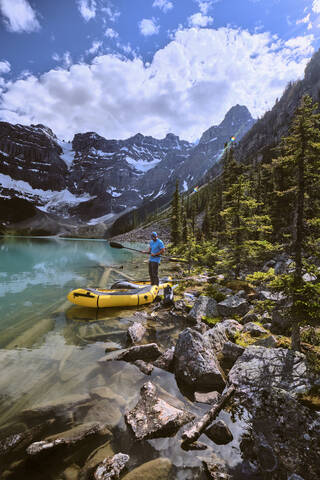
{"x": 252, "y": 212}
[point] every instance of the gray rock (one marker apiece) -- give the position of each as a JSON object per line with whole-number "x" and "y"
{"x": 254, "y": 329}
{"x": 219, "y": 433}
{"x": 250, "y": 317}
{"x": 275, "y": 297}
{"x": 241, "y": 293}
{"x": 233, "y": 305}
{"x": 294, "y": 476}
{"x": 209, "y": 397}
{"x": 165, "y": 361}
{"x": 111, "y": 467}
{"x": 266, "y": 457}
{"x": 203, "y": 307}
{"x": 231, "y": 327}
{"x": 147, "y": 353}
{"x": 267, "y": 326}
{"x": 153, "y": 417}
{"x": 269, "y": 342}
{"x": 136, "y": 332}
{"x": 217, "y": 337}
{"x": 195, "y": 363}
{"x": 146, "y": 368}
{"x": 215, "y": 467}
{"x": 231, "y": 352}
{"x": 260, "y": 367}
{"x": 69, "y": 437}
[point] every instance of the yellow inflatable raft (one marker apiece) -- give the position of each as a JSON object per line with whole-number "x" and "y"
{"x": 102, "y": 298}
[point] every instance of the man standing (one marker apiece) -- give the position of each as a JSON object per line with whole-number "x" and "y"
{"x": 156, "y": 249}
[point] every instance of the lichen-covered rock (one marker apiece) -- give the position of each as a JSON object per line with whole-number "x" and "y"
{"x": 136, "y": 332}
{"x": 147, "y": 353}
{"x": 165, "y": 361}
{"x": 153, "y": 417}
{"x": 203, "y": 307}
{"x": 231, "y": 327}
{"x": 250, "y": 317}
{"x": 233, "y": 305}
{"x": 217, "y": 337}
{"x": 158, "y": 469}
{"x": 254, "y": 329}
{"x": 269, "y": 342}
{"x": 111, "y": 467}
{"x": 69, "y": 437}
{"x": 219, "y": 433}
{"x": 195, "y": 363}
{"x": 260, "y": 367}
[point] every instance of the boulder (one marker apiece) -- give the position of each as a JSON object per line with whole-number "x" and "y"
{"x": 144, "y": 367}
{"x": 94, "y": 459}
{"x": 231, "y": 327}
{"x": 231, "y": 352}
{"x": 136, "y": 332}
{"x": 219, "y": 433}
{"x": 111, "y": 467}
{"x": 158, "y": 469}
{"x": 254, "y": 330}
{"x": 269, "y": 342}
{"x": 250, "y": 317}
{"x": 153, "y": 417}
{"x": 203, "y": 307}
{"x": 165, "y": 361}
{"x": 69, "y": 437}
{"x": 147, "y": 353}
{"x": 261, "y": 367}
{"x": 209, "y": 397}
{"x": 233, "y": 305}
{"x": 215, "y": 467}
{"x": 217, "y": 337}
{"x": 195, "y": 363}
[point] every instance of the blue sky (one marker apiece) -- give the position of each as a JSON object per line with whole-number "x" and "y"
{"x": 152, "y": 66}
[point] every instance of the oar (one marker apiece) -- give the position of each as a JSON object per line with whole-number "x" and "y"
{"x": 171, "y": 259}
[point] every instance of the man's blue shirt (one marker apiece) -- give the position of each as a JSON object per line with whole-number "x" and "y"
{"x": 155, "y": 247}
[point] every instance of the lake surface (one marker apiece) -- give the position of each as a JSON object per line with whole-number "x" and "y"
{"x": 49, "y": 352}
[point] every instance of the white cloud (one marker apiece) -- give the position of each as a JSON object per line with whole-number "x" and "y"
{"x": 96, "y": 45}
{"x": 110, "y": 33}
{"x": 5, "y": 67}
{"x": 111, "y": 13}
{"x": 148, "y": 26}
{"x": 306, "y": 19}
{"x": 316, "y": 6}
{"x": 188, "y": 86}
{"x": 65, "y": 59}
{"x": 19, "y": 16}
{"x": 204, "y": 6}
{"x": 199, "y": 20}
{"x": 87, "y": 9}
{"x": 164, "y": 5}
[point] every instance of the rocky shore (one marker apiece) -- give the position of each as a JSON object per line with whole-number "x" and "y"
{"x": 227, "y": 359}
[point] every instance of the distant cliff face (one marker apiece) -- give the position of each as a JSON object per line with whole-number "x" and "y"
{"x": 94, "y": 179}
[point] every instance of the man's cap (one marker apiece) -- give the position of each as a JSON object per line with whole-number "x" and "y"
{"x": 154, "y": 234}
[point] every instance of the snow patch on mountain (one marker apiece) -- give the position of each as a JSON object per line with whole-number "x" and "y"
{"x": 104, "y": 218}
{"x": 68, "y": 154}
{"x": 142, "y": 165}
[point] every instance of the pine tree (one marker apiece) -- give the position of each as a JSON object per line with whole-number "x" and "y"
{"x": 297, "y": 196}
{"x": 176, "y": 227}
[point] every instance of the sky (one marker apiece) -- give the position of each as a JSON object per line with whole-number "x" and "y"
{"x": 119, "y": 67}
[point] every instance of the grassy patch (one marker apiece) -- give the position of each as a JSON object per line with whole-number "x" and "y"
{"x": 237, "y": 285}
{"x": 211, "y": 291}
{"x": 312, "y": 399}
{"x": 211, "y": 321}
{"x": 244, "y": 339}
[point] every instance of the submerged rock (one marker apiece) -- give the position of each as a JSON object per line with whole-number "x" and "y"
{"x": 219, "y": 433}
{"x": 57, "y": 408}
{"x": 153, "y": 417}
{"x": 136, "y": 332}
{"x": 71, "y": 473}
{"x": 94, "y": 459}
{"x": 144, "y": 367}
{"x": 195, "y": 363}
{"x": 233, "y": 305}
{"x": 215, "y": 467}
{"x": 260, "y": 367}
{"x": 111, "y": 467}
{"x": 69, "y": 437}
{"x": 203, "y": 307}
{"x": 158, "y": 469}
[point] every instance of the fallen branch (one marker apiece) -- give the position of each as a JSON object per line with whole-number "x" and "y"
{"x": 192, "y": 434}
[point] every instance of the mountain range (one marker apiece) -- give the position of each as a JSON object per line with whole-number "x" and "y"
{"x": 49, "y": 186}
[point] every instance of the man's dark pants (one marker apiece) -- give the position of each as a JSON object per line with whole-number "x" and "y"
{"x": 153, "y": 272}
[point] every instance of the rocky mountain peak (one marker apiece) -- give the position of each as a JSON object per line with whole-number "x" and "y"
{"x": 237, "y": 115}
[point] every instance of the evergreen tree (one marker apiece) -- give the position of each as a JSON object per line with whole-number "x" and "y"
{"x": 297, "y": 196}
{"x": 176, "y": 227}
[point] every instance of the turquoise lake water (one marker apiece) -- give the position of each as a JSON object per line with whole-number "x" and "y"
{"x": 49, "y": 351}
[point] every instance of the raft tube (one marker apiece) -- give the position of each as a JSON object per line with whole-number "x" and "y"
{"x": 102, "y": 298}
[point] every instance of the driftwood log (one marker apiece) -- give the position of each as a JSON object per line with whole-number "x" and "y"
{"x": 193, "y": 433}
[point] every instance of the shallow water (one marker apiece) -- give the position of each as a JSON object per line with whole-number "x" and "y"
{"x": 49, "y": 350}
